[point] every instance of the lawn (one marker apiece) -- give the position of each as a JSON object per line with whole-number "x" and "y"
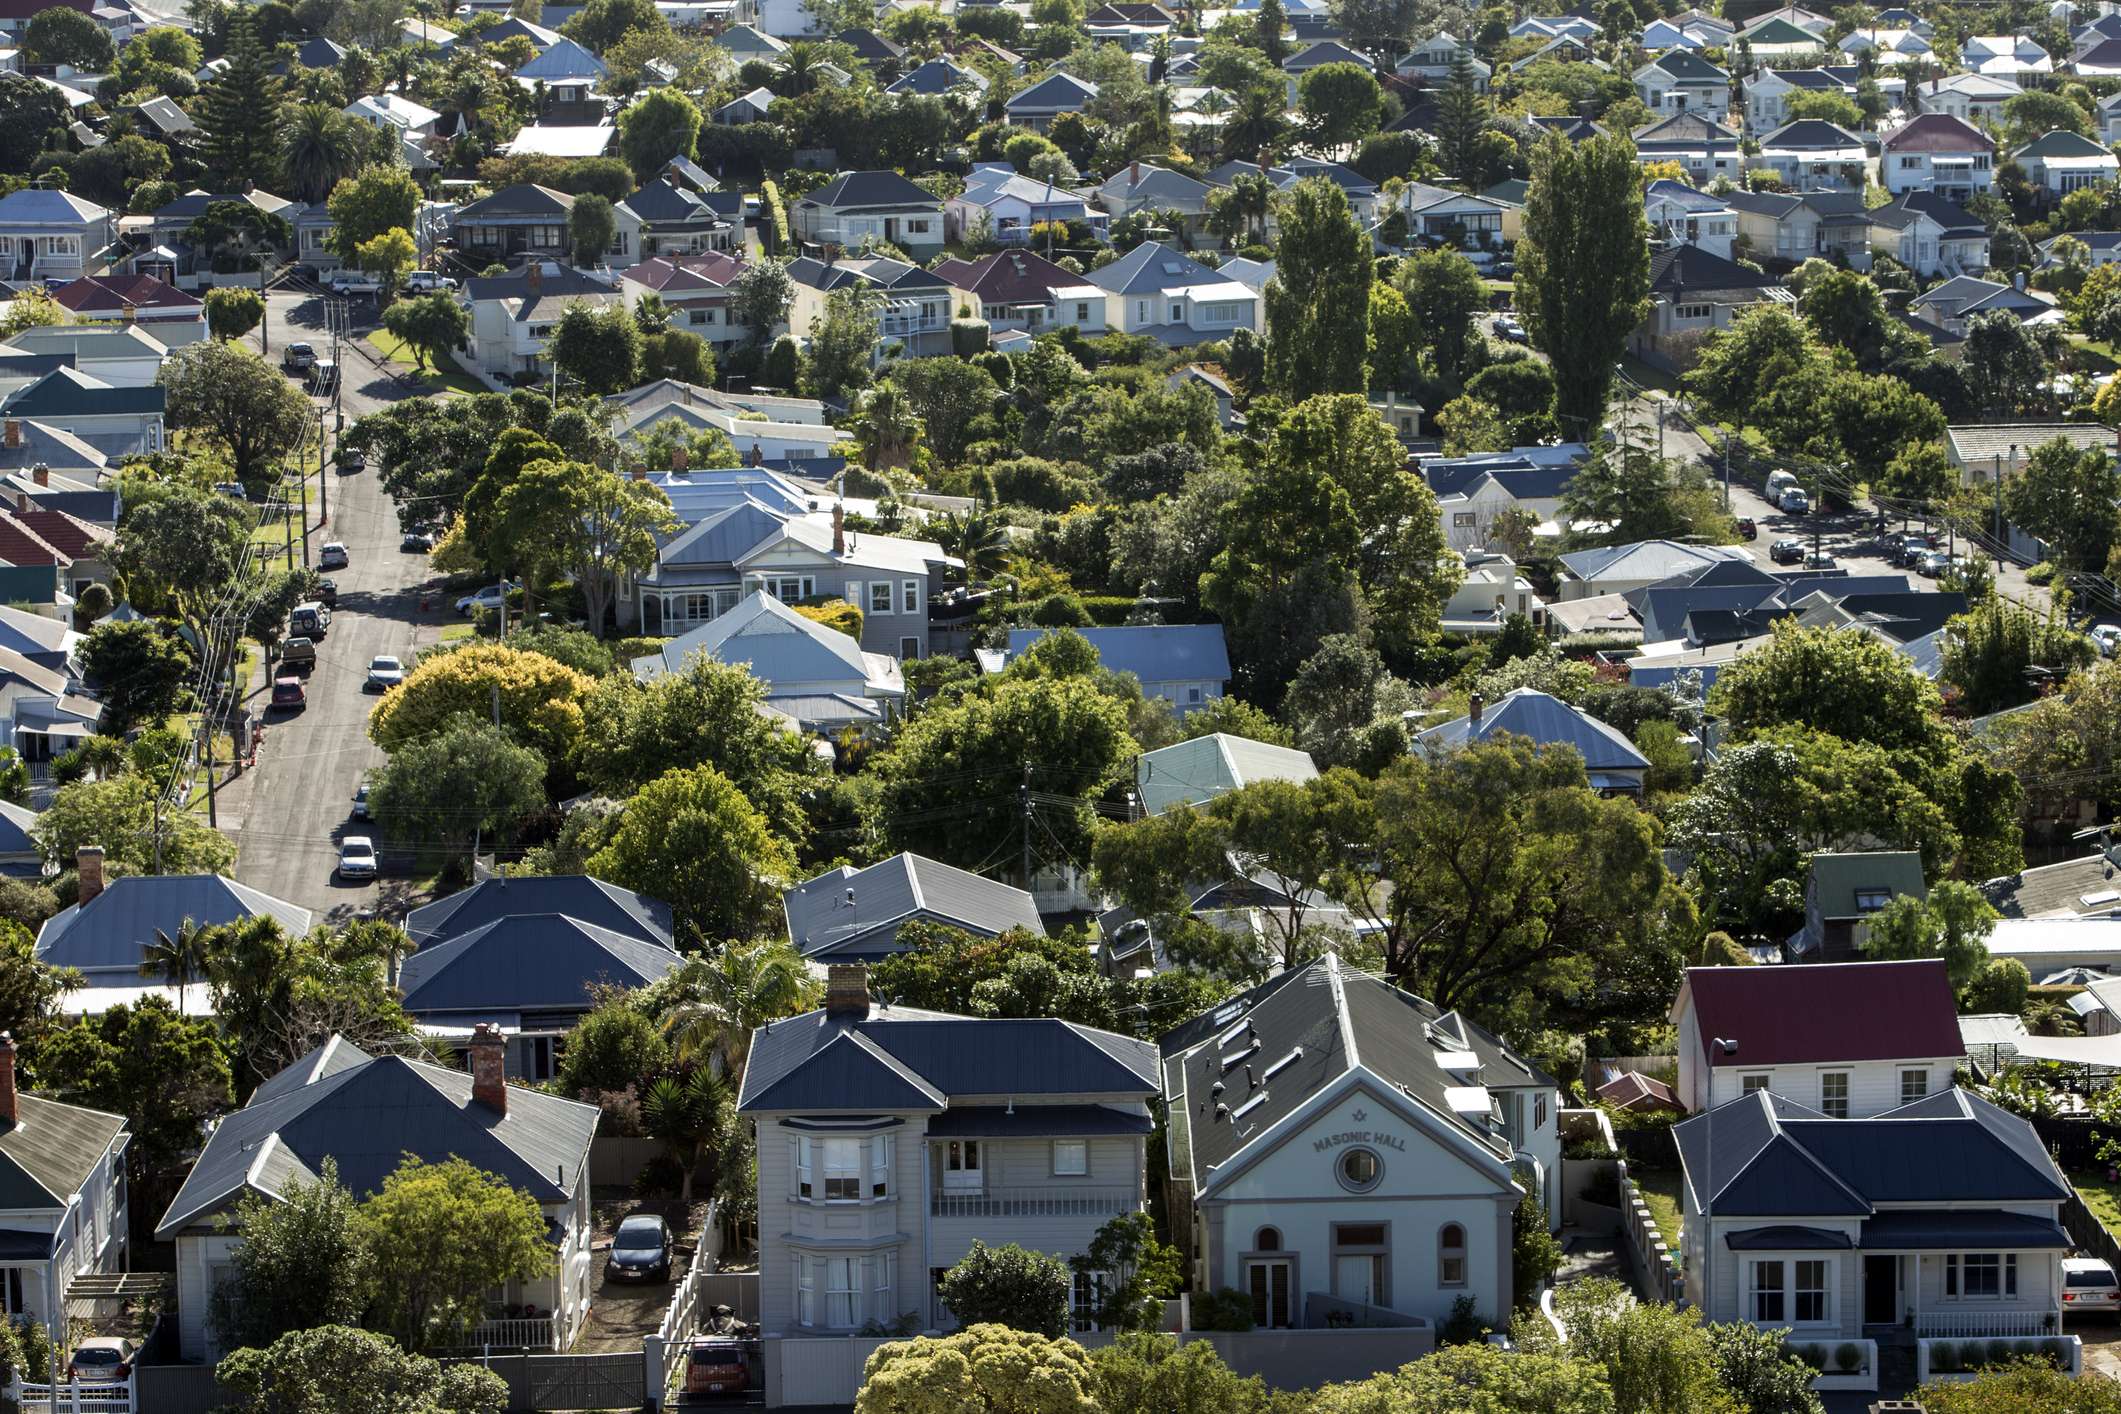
{"x": 2102, "y": 1198}
{"x": 1661, "y": 1192}
{"x": 449, "y": 378}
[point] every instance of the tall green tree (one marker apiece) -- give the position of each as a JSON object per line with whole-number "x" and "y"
{"x": 60, "y": 35}
{"x": 691, "y": 837}
{"x": 2066, "y": 496}
{"x": 595, "y": 525}
{"x": 239, "y": 112}
{"x": 319, "y": 148}
{"x": 722, "y": 998}
{"x": 1583, "y": 268}
{"x": 442, "y": 1236}
{"x": 1445, "y": 294}
{"x": 591, "y": 228}
{"x": 303, "y": 1262}
{"x": 430, "y": 325}
{"x": 663, "y": 124}
{"x": 1318, "y": 304}
{"x": 469, "y": 780}
{"x": 363, "y": 207}
{"x": 1341, "y": 105}
{"x": 1462, "y": 112}
{"x": 598, "y": 348}
{"x": 228, "y": 395}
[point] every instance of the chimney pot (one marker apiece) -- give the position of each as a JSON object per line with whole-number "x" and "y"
{"x": 9, "y": 1110}
{"x": 847, "y": 990}
{"x": 1477, "y": 706}
{"x": 489, "y": 1083}
{"x": 42, "y": 474}
{"x": 535, "y": 274}
{"x": 88, "y": 866}
{"x": 678, "y": 457}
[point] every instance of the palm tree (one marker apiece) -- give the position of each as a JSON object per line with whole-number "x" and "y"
{"x": 978, "y": 539}
{"x": 688, "y": 1116}
{"x": 727, "y": 996}
{"x": 176, "y": 960}
{"x": 318, "y": 149}
{"x": 799, "y": 68}
{"x": 102, "y": 757}
{"x": 888, "y": 429}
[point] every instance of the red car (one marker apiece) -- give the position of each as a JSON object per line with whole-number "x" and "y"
{"x": 717, "y": 1367}
{"x": 1747, "y": 530}
{"x": 288, "y": 692}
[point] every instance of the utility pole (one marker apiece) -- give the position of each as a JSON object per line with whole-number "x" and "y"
{"x": 1727, "y": 471}
{"x": 206, "y": 736}
{"x": 302, "y": 475}
{"x": 1023, "y": 796}
{"x": 497, "y": 704}
{"x": 323, "y": 480}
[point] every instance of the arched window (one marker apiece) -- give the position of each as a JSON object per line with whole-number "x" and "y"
{"x": 1451, "y": 1255}
{"x": 1268, "y": 1239}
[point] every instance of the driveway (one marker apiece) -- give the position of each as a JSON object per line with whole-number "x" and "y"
{"x": 621, "y": 1312}
{"x": 288, "y": 815}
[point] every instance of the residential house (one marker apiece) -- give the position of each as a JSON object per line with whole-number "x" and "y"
{"x": 118, "y": 422}
{"x": 2006, "y": 56}
{"x": 1455, "y": 218}
{"x": 1679, "y": 81}
{"x": 854, "y": 915}
{"x": 564, "y": 71}
{"x": 1135, "y": 28}
{"x": 1434, "y": 60}
{"x": 525, "y": 219}
{"x": 2097, "y": 61}
{"x": 367, "y": 1114}
{"x": 1187, "y": 665}
{"x": 1317, "y": 56}
{"x": 749, "y": 107}
{"x": 1680, "y": 215}
{"x": 1008, "y": 207}
{"x": 937, "y": 77}
{"x": 707, "y": 568}
{"x": 538, "y": 36}
{"x": 1692, "y": 29}
{"x": 1143, "y": 186}
{"x": 1471, "y": 491}
{"x": 916, "y": 310}
{"x": 891, "y": 1139}
{"x": 1955, "y": 304}
{"x": 1930, "y": 234}
{"x": 174, "y": 254}
{"x": 20, "y": 856}
{"x": 1197, "y": 375}
{"x": 667, "y": 217}
{"x": 748, "y": 42}
{"x": 69, "y": 1216}
{"x": 2100, "y": 248}
{"x": 816, "y": 676}
{"x": 122, "y": 355}
{"x": 105, "y": 934}
{"x": 696, "y": 289}
{"x": 1842, "y": 889}
{"x": 1017, "y": 289}
{"x": 2110, "y": 118}
{"x": 1886, "y": 48}
{"x": 763, "y": 429}
{"x": 49, "y": 643}
{"x": 47, "y": 234}
{"x": 1158, "y": 290}
{"x": 1195, "y": 771}
{"x": 2062, "y": 162}
{"x": 1768, "y": 94}
{"x": 858, "y": 208}
{"x": 1937, "y": 152}
{"x": 1815, "y": 155}
{"x": 1037, "y": 106}
{"x": 1555, "y": 26}
{"x": 1616, "y": 569}
{"x": 1692, "y": 294}
{"x": 1490, "y": 592}
{"x": 34, "y": 535}
{"x": 1941, "y": 1215}
{"x": 1343, "y": 1152}
{"x": 871, "y": 48}
{"x": 1784, "y": 230}
{"x": 513, "y": 315}
{"x": 1971, "y": 98}
{"x": 1614, "y": 765}
{"x": 604, "y": 906}
{"x": 394, "y": 112}
{"x": 1774, "y": 40}
{"x": 173, "y": 316}
{"x": 531, "y": 976}
{"x": 1704, "y": 147}
{"x": 314, "y": 229}
{"x": 1360, "y": 190}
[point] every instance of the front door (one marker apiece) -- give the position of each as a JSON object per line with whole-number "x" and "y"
{"x": 1881, "y": 1291}
{"x": 1268, "y": 1282}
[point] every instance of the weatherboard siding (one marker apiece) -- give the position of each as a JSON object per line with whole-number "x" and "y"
{"x": 1874, "y": 1085}
{"x": 198, "y": 1256}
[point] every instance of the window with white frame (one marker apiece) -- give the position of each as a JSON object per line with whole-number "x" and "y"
{"x": 840, "y": 1291}
{"x": 961, "y": 1166}
{"x": 1768, "y": 1296}
{"x": 909, "y": 596}
{"x": 1227, "y": 313}
{"x": 1693, "y": 311}
{"x": 1463, "y": 520}
{"x": 883, "y": 1277}
{"x": 1808, "y": 1297}
{"x": 1914, "y": 1084}
{"x": 1082, "y": 312}
{"x": 1981, "y": 1276}
{"x": 803, "y": 1188}
{"x": 1451, "y": 1255}
{"x": 1834, "y": 1094}
{"x": 843, "y": 1170}
{"x": 1071, "y": 1158}
{"x": 1747, "y": 1084}
{"x": 881, "y": 1151}
{"x": 1086, "y": 1294}
{"x": 788, "y": 588}
{"x": 880, "y": 596}
{"x": 805, "y": 1295}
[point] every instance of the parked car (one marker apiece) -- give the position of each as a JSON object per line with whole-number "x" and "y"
{"x": 323, "y": 378}
{"x": 1819, "y": 560}
{"x": 311, "y": 620}
{"x": 426, "y": 282}
{"x": 357, "y": 858}
{"x": 416, "y": 542}
{"x": 353, "y": 282}
{"x": 332, "y": 556}
{"x": 1748, "y": 528}
{"x": 288, "y": 693}
{"x": 2089, "y": 1288}
{"x": 717, "y": 1367}
{"x": 1510, "y": 330}
{"x": 385, "y": 672}
{"x": 1933, "y": 563}
{"x": 298, "y": 358}
{"x": 328, "y": 593}
{"x": 298, "y": 654}
{"x": 350, "y": 460}
{"x": 640, "y": 1250}
{"x": 1796, "y": 502}
{"x": 107, "y": 1359}
{"x": 2106, "y": 638}
{"x": 487, "y": 600}
{"x": 360, "y": 801}
{"x": 1786, "y": 552}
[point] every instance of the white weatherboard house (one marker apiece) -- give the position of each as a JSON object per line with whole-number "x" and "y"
{"x": 63, "y": 1191}
{"x": 890, "y": 1139}
{"x": 1848, "y": 1039}
{"x": 1340, "y": 1149}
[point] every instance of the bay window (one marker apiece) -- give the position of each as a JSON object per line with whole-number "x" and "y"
{"x": 803, "y": 1188}
{"x": 843, "y": 1170}
{"x": 805, "y": 1295}
{"x": 880, "y": 1154}
{"x": 839, "y": 1291}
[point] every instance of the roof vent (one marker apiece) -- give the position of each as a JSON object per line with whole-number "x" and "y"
{"x": 1239, "y": 1057}
{"x": 1251, "y": 1080}
{"x": 1284, "y": 1063}
{"x": 1222, "y": 1112}
{"x": 1215, "y": 1091}
{"x": 1459, "y": 1062}
{"x": 1468, "y": 1101}
{"x": 1250, "y": 1105}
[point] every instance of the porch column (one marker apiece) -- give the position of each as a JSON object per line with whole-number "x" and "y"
{"x": 1915, "y": 1258}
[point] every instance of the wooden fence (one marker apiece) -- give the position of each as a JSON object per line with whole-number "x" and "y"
{"x": 1658, "y": 1269}
{"x": 179, "y": 1389}
{"x": 2088, "y": 1232}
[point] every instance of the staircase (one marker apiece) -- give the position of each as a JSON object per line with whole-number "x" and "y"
{"x": 1896, "y": 1362}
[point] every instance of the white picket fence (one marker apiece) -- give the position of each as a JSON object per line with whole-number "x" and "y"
{"x": 76, "y": 1398}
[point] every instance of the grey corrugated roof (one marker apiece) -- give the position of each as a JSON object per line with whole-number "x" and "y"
{"x": 1151, "y": 265}
{"x": 69, "y": 392}
{"x": 888, "y": 894}
{"x": 367, "y": 1116}
{"x": 894, "y": 1055}
{"x": 779, "y": 646}
{"x": 1548, "y": 721}
{"x": 1152, "y": 652}
{"x": 2057, "y": 889}
{"x": 593, "y": 901}
{"x": 1784, "y": 1238}
{"x": 534, "y": 962}
{"x": 1836, "y": 877}
{"x": 46, "y": 1157}
{"x": 863, "y": 189}
{"x": 523, "y": 199}
{"x": 1055, "y": 91}
{"x": 113, "y": 931}
{"x": 1194, "y": 771}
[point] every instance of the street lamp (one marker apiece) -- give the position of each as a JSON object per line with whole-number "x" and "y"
{"x": 1717, "y": 1046}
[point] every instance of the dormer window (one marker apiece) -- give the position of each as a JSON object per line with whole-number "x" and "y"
{"x": 1871, "y": 900}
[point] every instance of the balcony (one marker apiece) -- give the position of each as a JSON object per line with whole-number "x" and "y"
{"x": 1047, "y": 1202}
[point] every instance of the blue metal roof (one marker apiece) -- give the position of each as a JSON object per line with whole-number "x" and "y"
{"x": 1961, "y": 1231}
{"x": 607, "y": 906}
{"x": 1548, "y": 721}
{"x": 1152, "y": 652}
{"x": 536, "y": 962}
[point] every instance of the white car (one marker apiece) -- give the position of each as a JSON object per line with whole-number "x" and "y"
{"x": 385, "y": 673}
{"x": 2089, "y": 1288}
{"x": 353, "y": 282}
{"x": 488, "y": 599}
{"x": 332, "y": 556}
{"x": 423, "y": 282}
{"x": 2107, "y": 637}
{"x": 357, "y": 857}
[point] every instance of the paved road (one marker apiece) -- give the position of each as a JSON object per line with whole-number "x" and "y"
{"x": 288, "y": 814}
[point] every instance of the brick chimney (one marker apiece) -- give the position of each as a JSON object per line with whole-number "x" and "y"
{"x": 1134, "y": 174}
{"x": 535, "y": 274}
{"x": 42, "y": 474}
{"x": 131, "y": 312}
{"x": 839, "y": 528}
{"x": 9, "y": 1112}
{"x": 847, "y": 990}
{"x": 14, "y": 433}
{"x": 88, "y": 866}
{"x": 679, "y": 456}
{"x": 489, "y": 1085}
{"x": 1473, "y": 717}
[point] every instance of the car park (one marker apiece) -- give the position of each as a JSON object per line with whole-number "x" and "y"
{"x": 640, "y": 1250}
{"x": 357, "y": 858}
{"x": 2089, "y": 1287}
{"x": 288, "y": 694}
{"x": 1786, "y": 552}
{"x": 717, "y": 1368}
{"x": 332, "y": 556}
{"x": 298, "y": 654}
{"x": 385, "y": 672}
{"x": 298, "y": 358}
{"x": 101, "y": 1359}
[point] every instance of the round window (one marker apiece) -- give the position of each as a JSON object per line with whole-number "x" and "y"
{"x": 1359, "y": 1170}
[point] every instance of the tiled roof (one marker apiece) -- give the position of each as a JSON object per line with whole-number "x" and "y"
{"x": 94, "y": 294}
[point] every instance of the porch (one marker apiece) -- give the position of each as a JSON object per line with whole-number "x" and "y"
{"x": 517, "y": 1333}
